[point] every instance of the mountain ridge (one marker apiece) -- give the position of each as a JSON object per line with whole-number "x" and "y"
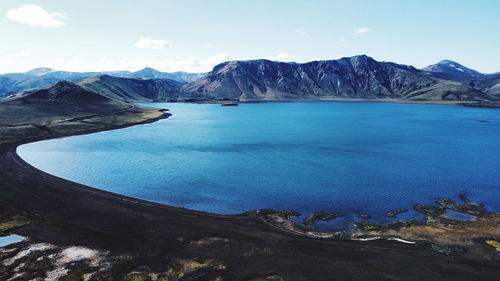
{"x": 43, "y": 77}
{"x": 349, "y": 77}
{"x": 357, "y": 77}
{"x": 452, "y": 69}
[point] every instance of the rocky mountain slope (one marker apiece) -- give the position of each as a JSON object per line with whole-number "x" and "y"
{"x": 132, "y": 90}
{"x": 359, "y": 77}
{"x": 452, "y": 69}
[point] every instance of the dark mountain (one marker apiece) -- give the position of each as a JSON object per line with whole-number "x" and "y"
{"x": 66, "y": 92}
{"x": 451, "y": 69}
{"x": 132, "y": 90}
{"x": 64, "y": 95}
{"x": 58, "y": 102}
{"x": 359, "y": 77}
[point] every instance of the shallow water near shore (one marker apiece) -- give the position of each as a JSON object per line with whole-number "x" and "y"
{"x": 10, "y": 239}
{"x": 347, "y": 157}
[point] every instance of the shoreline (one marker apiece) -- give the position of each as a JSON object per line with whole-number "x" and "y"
{"x": 64, "y": 213}
{"x": 464, "y": 103}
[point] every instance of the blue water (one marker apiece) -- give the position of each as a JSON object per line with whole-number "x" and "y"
{"x": 10, "y": 239}
{"x": 459, "y": 216}
{"x": 347, "y": 157}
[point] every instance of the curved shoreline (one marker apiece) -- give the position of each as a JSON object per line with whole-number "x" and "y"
{"x": 65, "y": 213}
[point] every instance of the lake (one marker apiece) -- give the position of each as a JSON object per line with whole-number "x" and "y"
{"x": 347, "y": 157}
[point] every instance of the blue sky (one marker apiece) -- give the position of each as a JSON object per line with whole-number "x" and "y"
{"x": 195, "y": 35}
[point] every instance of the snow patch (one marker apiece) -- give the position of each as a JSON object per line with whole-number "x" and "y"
{"x": 23, "y": 253}
{"x": 402, "y": 240}
{"x": 366, "y": 239}
{"x": 56, "y": 274}
{"x": 76, "y": 254}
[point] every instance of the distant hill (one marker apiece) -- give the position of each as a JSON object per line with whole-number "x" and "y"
{"x": 15, "y": 82}
{"x": 452, "y": 69}
{"x": 489, "y": 84}
{"x": 60, "y": 101}
{"x": 150, "y": 73}
{"x": 131, "y": 89}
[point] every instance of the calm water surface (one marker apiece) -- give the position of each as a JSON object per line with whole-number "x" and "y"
{"x": 347, "y": 157}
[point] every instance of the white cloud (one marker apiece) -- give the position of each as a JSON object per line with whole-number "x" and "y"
{"x": 19, "y": 63}
{"x": 148, "y": 43}
{"x": 362, "y": 30}
{"x": 342, "y": 40}
{"x": 36, "y": 16}
{"x": 191, "y": 64}
{"x": 280, "y": 57}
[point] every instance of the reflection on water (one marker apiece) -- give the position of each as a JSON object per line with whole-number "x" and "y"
{"x": 345, "y": 157}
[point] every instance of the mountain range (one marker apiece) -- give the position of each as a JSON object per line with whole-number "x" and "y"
{"x": 357, "y": 77}
{"x": 43, "y": 77}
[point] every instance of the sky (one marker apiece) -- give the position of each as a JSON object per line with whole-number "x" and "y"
{"x": 194, "y": 36}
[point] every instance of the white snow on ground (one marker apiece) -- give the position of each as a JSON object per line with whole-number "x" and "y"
{"x": 56, "y": 274}
{"x": 31, "y": 248}
{"x": 402, "y": 240}
{"x": 366, "y": 239}
{"x": 75, "y": 254}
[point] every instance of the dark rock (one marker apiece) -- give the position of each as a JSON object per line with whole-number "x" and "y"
{"x": 395, "y": 213}
{"x": 266, "y": 212}
{"x": 429, "y": 210}
{"x": 320, "y": 216}
{"x": 444, "y": 202}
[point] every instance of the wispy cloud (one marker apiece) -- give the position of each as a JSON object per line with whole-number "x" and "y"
{"x": 34, "y": 15}
{"x": 148, "y": 43}
{"x": 279, "y": 57}
{"x": 5, "y": 60}
{"x": 192, "y": 64}
{"x": 342, "y": 40}
{"x": 362, "y": 30}
{"x": 26, "y": 53}
{"x": 300, "y": 31}
{"x": 18, "y": 63}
